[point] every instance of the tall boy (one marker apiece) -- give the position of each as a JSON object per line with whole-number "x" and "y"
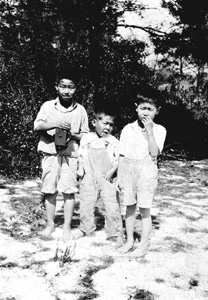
{"x": 61, "y": 123}
{"x": 98, "y": 160}
{"x": 140, "y": 144}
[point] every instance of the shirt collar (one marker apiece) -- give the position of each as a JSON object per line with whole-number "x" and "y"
{"x": 94, "y": 137}
{"x": 105, "y": 139}
{"x": 59, "y": 107}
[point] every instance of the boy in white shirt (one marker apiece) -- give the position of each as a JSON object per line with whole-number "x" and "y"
{"x": 59, "y": 162}
{"x": 98, "y": 162}
{"x": 140, "y": 144}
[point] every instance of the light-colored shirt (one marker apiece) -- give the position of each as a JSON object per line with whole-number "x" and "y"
{"x": 52, "y": 111}
{"x": 134, "y": 144}
{"x": 110, "y": 142}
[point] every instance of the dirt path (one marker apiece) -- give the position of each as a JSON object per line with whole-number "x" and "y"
{"x": 175, "y": 268}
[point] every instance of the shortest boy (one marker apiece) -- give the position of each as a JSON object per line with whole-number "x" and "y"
{"x": 98, "y": 161}
{"x": 140, "y": 144}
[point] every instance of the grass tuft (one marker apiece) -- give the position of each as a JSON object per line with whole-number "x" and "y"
{"x": 159, "y": 280}
{"x": 193, "y": 282}
{"x": 142, "y": 295}
{"x": 30, "y": 218}
{"x": 178, "y": 245}
{"x": 87, "y": 281}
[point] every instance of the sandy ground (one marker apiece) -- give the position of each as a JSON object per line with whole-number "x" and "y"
{"x": 175, "y": 268}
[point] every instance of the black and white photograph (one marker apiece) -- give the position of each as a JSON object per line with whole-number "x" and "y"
{"x": 104, "y": 150}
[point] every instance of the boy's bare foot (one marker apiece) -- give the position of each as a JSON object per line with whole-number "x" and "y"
{"x": 140, "y": 251}
{"x": 46, "y": 233}
{"x": 78, "y": 234}
{"x": 67, "y": 235}
{"x": 116, "y": 239}
{"x": 129, "y": 246}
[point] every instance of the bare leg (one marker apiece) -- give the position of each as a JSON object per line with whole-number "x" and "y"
{"x": 146, "y": 225}
{"x": 146, "y": 230}
{"x": 130, "y": 223}
{"x": 50, "y": 204}
{"x": 69, "y": 201}
{"x": 119, "y": 241}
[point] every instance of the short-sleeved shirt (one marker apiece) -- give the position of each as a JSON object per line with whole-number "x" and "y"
{"x": 92, "y": 139}
{"x": 133, "y": 143}
{"x": 52, "y": 111}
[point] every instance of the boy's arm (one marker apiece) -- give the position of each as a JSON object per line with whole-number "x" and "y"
{"x": 80, "y": 159}
{"x": 84, "y": 128}
{"x": 41, "y": 123}
{"x": 44, "y": 126}
{"x": 77, "y": 136}
{"x": 114, "y": 154}
{"x": 153, "y": 147}
{"x": 109, "y": 174}
{"x": 80, "y": 170}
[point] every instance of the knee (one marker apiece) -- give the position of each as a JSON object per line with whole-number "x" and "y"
{"x": 145, "y": 212}
{"x": 51, "y": 198}
{"x": 130, "y": 210}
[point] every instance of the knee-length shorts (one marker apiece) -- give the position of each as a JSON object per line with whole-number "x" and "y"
{"x": 137, "y": 182}
{"x": 59, "y": 174}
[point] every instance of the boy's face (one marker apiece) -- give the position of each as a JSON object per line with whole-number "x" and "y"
{"x": 146, "y": 110}
{"x": 103, "y": 124}
{"x": 66, "y": 89}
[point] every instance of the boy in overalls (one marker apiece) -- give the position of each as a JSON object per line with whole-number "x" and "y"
{"x": 98, "y": 160}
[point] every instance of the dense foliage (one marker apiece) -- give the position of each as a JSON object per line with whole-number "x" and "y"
{"x": 183, "y": 75}
{"x": 41, "y": 37}
{"x": 38, "y": 39}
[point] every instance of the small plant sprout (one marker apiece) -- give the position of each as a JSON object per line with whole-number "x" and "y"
{"x": 64, "y": 252}
{"x": 193, "y": 283}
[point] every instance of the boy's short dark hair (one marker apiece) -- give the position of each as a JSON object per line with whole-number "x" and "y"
{"x": 69, "y": 73}
{"x": 150, "y": 95}
{"x": 105, "y": 106}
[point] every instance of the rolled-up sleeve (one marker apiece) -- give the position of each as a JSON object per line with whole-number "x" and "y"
{"x": 160, "y": 135}
{"x": 84, "y": 128}
{"x": 123, "y": 141}
{"x": 41, "y": 116}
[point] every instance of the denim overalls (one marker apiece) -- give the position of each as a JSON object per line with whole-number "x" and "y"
{"x": 93, "y": 186}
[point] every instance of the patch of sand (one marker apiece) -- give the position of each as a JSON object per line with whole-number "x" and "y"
{"x": 176, "y": 266}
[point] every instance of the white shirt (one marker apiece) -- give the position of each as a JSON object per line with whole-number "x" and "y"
{"x": 133, "y": 143}
{"x": 53, "y": 111}
{"x": 110, "y": 142}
